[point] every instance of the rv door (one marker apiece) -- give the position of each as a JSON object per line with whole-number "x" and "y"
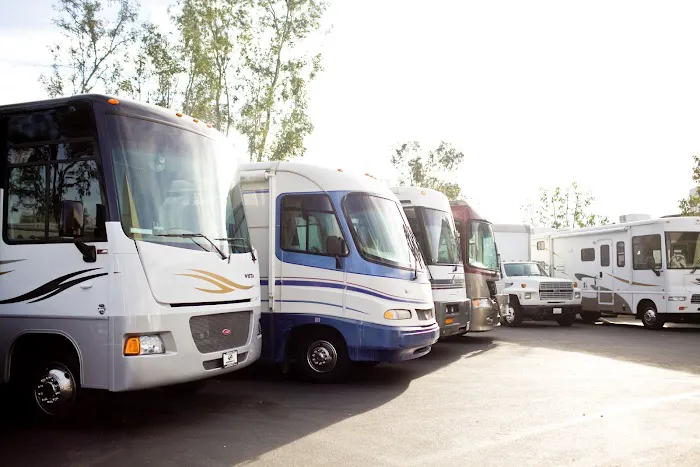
{"x": 605, "y": 274}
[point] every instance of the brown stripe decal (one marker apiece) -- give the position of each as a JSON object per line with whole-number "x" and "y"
{"x": 641, "y": 284}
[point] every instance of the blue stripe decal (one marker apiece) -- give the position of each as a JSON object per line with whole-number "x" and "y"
{"x": 317, "y": 303}
{"x": 331, "y": 285}
{"x": 247, "y": 192}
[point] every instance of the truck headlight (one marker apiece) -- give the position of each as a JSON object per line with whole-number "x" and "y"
{"x": 528, "y": 295}
{"x": 397, "y": 314}
{"x": 577, "y": 294}
{"x": 144, "y": 345}
{"x": 676, "y": 298}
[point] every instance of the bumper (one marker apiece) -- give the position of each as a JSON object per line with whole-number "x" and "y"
{"x": 547, "y": 312}
{"x": 484, "y": 317}
{"x": 182, "y": 361}
{"x": 457, "y": 320}
{"x": 392, "y": 344}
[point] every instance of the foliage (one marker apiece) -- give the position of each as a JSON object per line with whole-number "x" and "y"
{"x": 563, "y": 207}
{"x": 274, "y": 75}
{"x": 690, "y": 206}
{"x": 95, "y": 47}
{"x": 418, "y": 169}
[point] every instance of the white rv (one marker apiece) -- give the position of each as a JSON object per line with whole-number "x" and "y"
{"x": 646, "y": 268}
{"x": 342, "y": 275}
{"x": 512, "y": 241}
{"x": 124, "y": 260}
{"x": 430, "y": 215}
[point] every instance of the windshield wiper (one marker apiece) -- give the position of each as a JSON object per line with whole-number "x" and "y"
{"x": 193, "y": 236}
{"x": 239, "y": 239}
{"x": 696, "y": 265}
{"x": 415, "y": 249}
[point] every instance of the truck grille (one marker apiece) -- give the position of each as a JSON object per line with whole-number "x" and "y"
{"x": 556, "y": 291}
{"x": 492, "y": 288}
{"x": 424, "y": 315}
{"x": 212, "y": 333}
{"x": 695, "y": 298}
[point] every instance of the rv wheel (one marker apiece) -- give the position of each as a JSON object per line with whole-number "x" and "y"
{"x": 52, "y": 387}
{"x": 321, "y": 356}
{"x": 651, "y": 318}
{"x": 567, "y": 319}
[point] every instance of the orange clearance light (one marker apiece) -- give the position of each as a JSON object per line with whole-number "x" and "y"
{"x": 112, "y": 101}
{"x": 681, "y": 308}
{"x": 132, "y": 346}
{"x": 423, "y": 192}
{"x": 195, "y": 120}
{"x": 523, "y": 285}
{"x": 449, "y": 321}
{"x": 208, "y": 125}
{"x": 340, "y": 170}
{"x": 179, "y": 114}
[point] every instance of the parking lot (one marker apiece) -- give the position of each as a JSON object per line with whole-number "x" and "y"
{"x": 607, "y": 394}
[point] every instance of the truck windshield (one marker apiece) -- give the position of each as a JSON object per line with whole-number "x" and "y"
{"x": 523, "y": 269}
{"x": 376, "y": 224}
{"x": 173, "y": 181}
{"x": 682, "y": 249}
{"x": 481, "y": 246}
{"x": 436, "y": 234}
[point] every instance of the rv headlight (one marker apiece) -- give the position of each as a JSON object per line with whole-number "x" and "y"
{"x": 397, "y": 314}
{"x": 676, "y": 298}
{"x": 144, "y": 345}
{"x": 577, "y": 294}
{"x": 528, "y": 296}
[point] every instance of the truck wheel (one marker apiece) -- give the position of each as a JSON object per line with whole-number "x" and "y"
{"x": 512, "y": 315}
{"x": 589, "y": 317}
{"x": 322, "y": 357}
{"x": 651, "y": 318}
{"x": 567, "y": 319}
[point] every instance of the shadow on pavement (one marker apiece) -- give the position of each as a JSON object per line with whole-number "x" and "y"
{"x": 235, "y": 418}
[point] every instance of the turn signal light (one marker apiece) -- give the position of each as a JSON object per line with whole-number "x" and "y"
{"x": 449, "y": 321}
{"x": 523, "y": 286}
{"x": 112, "y": 101}
{"x": 132, "y": 346}
{"x": 179, "y": 114}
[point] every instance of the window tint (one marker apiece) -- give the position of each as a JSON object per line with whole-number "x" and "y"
{"x": 647, "y": 252}
{"x": 44, "y": 169}
{"x": 307, "y": 222}
{"x": 588, "y": 254}
{"x": 605, "y": 255}
{"x": 540, "y": 245}
{"x": 620, "y": 254}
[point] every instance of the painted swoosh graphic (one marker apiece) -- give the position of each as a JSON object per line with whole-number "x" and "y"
{"x": 224, "y": 285}
{"x": 53, "y": 287}
{"x": 9, "y": 261}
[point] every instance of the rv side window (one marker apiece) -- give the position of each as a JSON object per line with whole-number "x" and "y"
{"x": 620, "y": 254}
{"x": 307, "y": 222}
{"x": 647, "y": 252}
{"x": 605, "y": 255}
{"x": 51, "y": 157}
{"x": 540, "y": 245}
{"x": 588, "y": 254}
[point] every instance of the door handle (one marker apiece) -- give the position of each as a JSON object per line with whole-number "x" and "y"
{"x": 86, "y": 285}
{"x": 601, "y": 274}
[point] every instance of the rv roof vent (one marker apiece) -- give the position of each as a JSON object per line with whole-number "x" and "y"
{"x": 634, "y": 217}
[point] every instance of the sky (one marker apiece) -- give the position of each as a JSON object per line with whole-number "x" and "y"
{"x": 536, "y": 94}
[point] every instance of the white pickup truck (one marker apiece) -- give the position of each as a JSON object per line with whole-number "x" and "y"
{"x": 536, "y": 296}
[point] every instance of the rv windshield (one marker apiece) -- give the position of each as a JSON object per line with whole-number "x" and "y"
{"x": 682, "y": 249}
{"x": 172, "y": 181}
{"x": 481, "y": 246}
{"x": 442, "y": 247}
{"x": 377, "y": 229}
{"x": 523, "y": 269}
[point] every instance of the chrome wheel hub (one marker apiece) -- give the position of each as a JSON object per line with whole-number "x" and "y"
{"x": 322, "y": 356}
{"x": 650, "y": 316}
{"x": 55, "y": 389}
{"x": 509, "y": 314}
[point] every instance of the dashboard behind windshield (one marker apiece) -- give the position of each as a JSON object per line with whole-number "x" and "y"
{"x": 435, "y": 232}
{"x": 682, "y": 249}
{"x": 481, "y": 246}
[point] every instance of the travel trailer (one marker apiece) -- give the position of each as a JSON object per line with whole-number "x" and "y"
{"x": 342, "y": 274}
{"x": 478, "y": 248}
{"x": 124, "y": 261}
{"x": 646, "y": 268}
{"x": 428, "y": 211}
{"x": 533, "y": 295}
{"x": 513, "y": 241}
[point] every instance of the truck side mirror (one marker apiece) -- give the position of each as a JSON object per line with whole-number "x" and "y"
{"x": 72, "y": 219}
{"x": 336, "y": 247}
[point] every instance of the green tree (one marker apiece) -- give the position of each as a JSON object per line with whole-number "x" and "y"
{"x": 690, "y": 206}
{"x": 563, "y": 207}
{"x": 273, "y": 76}
{"x": 94, "y": 48}
{"x": 416, "y": 168}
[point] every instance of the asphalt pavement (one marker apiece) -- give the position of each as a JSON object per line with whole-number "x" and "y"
{"x": 612, "y": 393}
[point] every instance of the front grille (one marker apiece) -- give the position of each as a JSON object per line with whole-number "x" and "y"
{"x": 424, "y": 315}
{"x": 695, "y": 298}
{"x": 492, "y": 288}
{"x": 556, "y": 290}
{"x": 209, "y": 335}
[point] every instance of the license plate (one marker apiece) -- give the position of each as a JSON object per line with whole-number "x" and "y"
{"x": 230, "y": 358}
{"x": 557, "y": 311}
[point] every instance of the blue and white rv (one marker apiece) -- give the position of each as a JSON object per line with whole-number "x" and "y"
{"x": 342, "y": 277}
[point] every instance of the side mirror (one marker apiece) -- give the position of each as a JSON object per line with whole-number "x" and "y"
{"x": 336, "y": 247}
{"x": 651, "y": 264}
{"x": 72, "y": 219}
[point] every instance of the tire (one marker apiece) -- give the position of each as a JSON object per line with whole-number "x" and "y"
{"x": 190, "y": 387}
{"x": 513, "y": 316}
{"x": 322, "y": 356}
{"x": 651, "y": 318}
{"x": 50, "y": 387}
{"x": 566, "y": 320}
{"x": 589, "y": 317}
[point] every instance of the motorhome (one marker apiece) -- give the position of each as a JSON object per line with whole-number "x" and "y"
{"x": 124, "y": 260}
{"x": 342, "y": 275}
{"x": 513, "y": 241}
{"x": 429, "y": 214}
{"x": 646, "y": 268}
{"x": 478, "y": 247}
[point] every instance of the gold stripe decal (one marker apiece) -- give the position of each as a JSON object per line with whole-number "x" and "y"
{"x": 224, "y": 285}
{"x": 632, "y": 283}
